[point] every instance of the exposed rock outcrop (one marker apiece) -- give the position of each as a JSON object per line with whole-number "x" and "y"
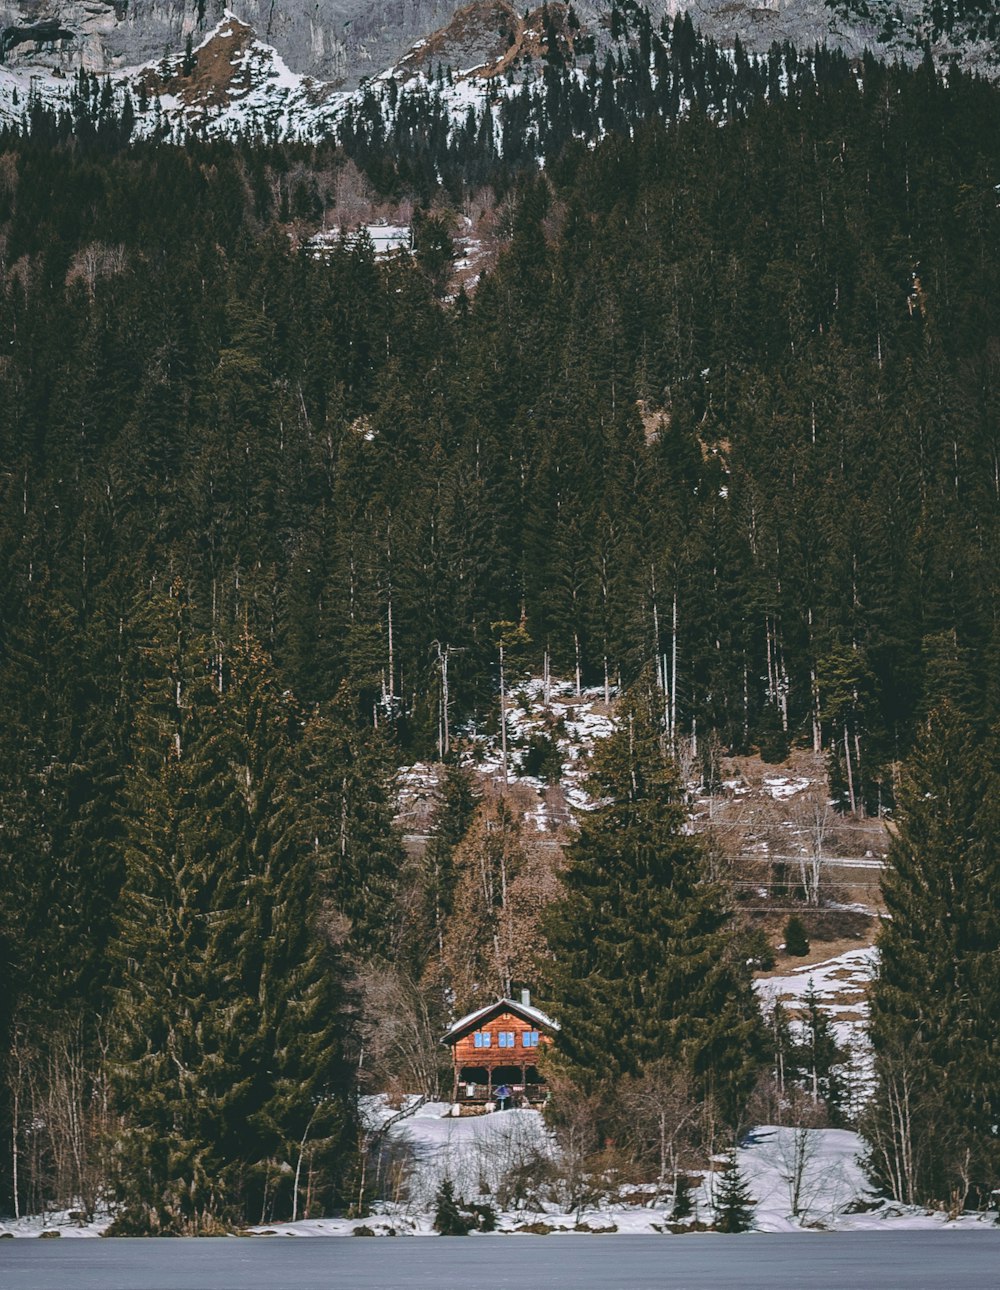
{"x": 336, "y": 40}
{"x": 344, "y": 41}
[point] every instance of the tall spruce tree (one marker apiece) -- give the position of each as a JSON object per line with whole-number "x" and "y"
{"x": 935, "y": 1000}
{"x": 348, "y": 812}
{"x": 641, "y": 964}
{"x": 452, "y": 818}
{"x": 819, "y": 1057}
{"x": 169, "y": 1058}
{"x": 232, "y": 1010}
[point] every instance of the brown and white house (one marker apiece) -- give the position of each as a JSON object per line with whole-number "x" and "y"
{"x": 499, "y": 1045}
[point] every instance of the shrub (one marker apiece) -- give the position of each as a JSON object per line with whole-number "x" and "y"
{"x": 542, "y": 759}
{"x": 796, "y": 941}
{"x": 772, "y": 739}
{"x": 452, "y": 1218}
{"x": 683, "y": 1206}
{"x": 759, "y": 950}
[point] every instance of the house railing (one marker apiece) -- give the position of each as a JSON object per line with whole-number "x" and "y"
{"x": 469, "y": 1092}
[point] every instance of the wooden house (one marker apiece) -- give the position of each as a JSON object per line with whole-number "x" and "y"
{"x": 499, "y": 1045}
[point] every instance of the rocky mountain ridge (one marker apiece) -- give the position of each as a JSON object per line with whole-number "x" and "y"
{"x": 234, "y": 82}
{"x": 339, "y": 41}
{"x": 345, "y": 42}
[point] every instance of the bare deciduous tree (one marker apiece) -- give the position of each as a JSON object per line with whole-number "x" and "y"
{"x": 95, "y": 261}
{"x": 401, "y": 1038}
{"x": 503, "y": 886}
{"x": 794, "y": 1148}
{"x": 61, "y": 1120}
{"x": 663, "y": 1114}
{"x": 815, "y": 822}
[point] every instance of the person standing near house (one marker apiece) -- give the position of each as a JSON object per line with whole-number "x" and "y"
{"x": 502, "y": 1095}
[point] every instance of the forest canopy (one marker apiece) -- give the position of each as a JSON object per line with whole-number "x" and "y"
{"x": 724, "y": 420}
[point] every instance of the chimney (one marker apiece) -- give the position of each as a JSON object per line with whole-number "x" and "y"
{"x": 526, "y": 998}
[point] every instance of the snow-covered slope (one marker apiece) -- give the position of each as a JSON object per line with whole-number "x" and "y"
{"x": 231, "y": 84}
{"x": 815, "y": 1172}
{"x": 283, "y": 71}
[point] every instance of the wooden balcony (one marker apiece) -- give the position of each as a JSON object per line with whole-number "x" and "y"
{"x": 469, "y": 1093}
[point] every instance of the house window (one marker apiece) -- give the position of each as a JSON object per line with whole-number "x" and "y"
{"x": 529, "y": 1038}
{"x": 483, "y": 1039}
{"x": 506, "y": 1039}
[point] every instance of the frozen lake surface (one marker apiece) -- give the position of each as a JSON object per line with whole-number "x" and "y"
{"x": 940, "y": 1260}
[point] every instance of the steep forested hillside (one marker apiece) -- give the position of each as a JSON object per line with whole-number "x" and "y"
{"x": 723, "y": 421}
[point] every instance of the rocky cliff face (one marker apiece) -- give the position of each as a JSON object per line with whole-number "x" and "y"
{"x": 343, "y": 41}
{"x": 337, "y": 40}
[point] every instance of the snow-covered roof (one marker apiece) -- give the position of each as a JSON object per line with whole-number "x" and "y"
{"x": 524, "y": 1010}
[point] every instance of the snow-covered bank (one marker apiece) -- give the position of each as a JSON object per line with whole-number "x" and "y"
{"x": 56, "y": 1223}
{"x": 817, "y": 1172}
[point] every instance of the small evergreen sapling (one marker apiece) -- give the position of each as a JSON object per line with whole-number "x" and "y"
{"x": 759, "y": 950}
{"x": 733, "y": 1203}
{"x": 448, "y": 1217}
{"x": 683, "y": 1206}
{"x": 796, "y": 941}
{"x": 819, "y": 1056}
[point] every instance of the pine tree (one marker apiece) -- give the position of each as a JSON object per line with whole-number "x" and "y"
{"x": 448, "y": 1218}
{"x": 641, "y": 968}
{"x": 733, "y": 1204}
{"x": 452, "y": 819}
{"x": 168, "y": 1061}
{"x": 796, "y": 941}
{"x": 818, "y": 1056}
{"x": 935, "y": 999}
{"x": 348, "y": 809}
{"x": 232, "y": 1017}
{"x": 288, "y": 953}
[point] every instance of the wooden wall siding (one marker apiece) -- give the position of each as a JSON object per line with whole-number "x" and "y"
{"x": 465, "y": 1052}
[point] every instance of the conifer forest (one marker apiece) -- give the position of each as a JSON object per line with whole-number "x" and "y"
{"x": 712, "y": 432}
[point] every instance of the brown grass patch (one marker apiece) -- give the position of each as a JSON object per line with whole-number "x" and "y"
{"x": 214, "y": 80}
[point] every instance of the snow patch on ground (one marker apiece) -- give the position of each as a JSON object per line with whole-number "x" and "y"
{"x": 841, "y": 984}
{"x": 782, "y": 786}
{"x": 815, "y": 1172}
{"x": 574, "y": 722}
{"x": 56, "y": 1223}
{"x": 800, "y": 1181}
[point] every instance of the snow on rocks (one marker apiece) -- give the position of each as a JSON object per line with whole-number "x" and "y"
{"x": 61, "y": 1223}
{"x": 571, "y": 722}
{"x": 234, "y": 85}
{"x": 782, "y": 786}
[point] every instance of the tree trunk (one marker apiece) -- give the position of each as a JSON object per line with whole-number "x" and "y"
{"x": 503, "y": 721}
{"x": 850, "y": 775}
